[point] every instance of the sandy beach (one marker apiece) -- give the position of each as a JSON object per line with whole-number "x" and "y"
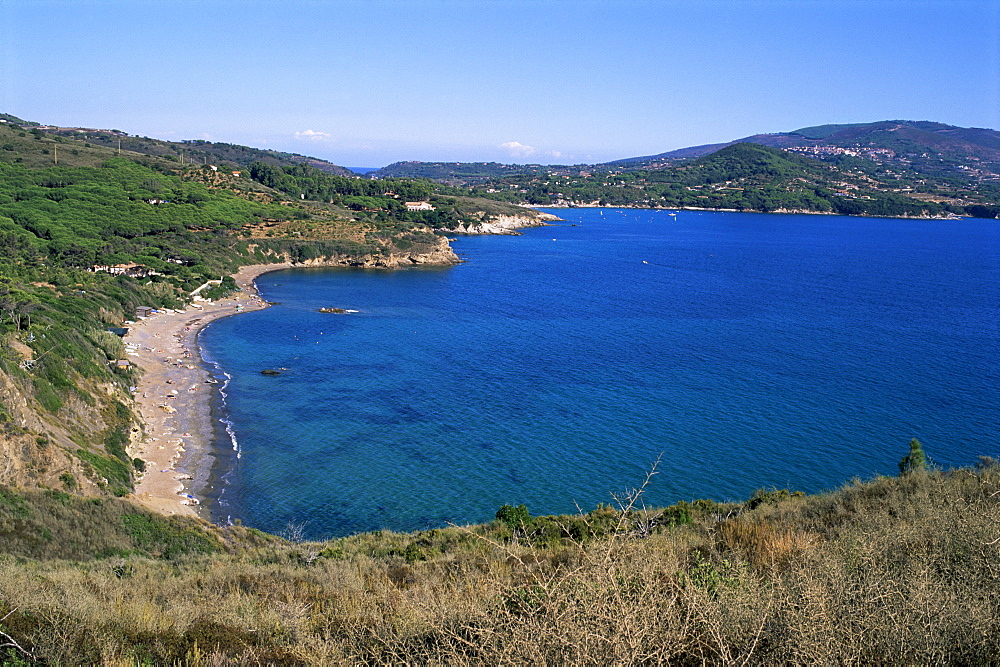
{"x": 173, "y": 396}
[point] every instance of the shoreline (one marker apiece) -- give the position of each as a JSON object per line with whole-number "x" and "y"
{"x": 174, "y": 399}
{"x": 780, "y": 211}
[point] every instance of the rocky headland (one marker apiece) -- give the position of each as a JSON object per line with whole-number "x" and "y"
{"x": 507, "y": 224}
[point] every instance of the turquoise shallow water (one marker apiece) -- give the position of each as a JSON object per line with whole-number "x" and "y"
{"x": 553, "y": 368}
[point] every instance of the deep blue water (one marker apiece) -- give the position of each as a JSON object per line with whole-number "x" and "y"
{"x": 553, "y": 368}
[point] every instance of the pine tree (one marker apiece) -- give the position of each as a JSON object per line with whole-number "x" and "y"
{"x": 914, "y": 461}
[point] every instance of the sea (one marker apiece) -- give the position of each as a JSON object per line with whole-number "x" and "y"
{"x": 722, "y": 352}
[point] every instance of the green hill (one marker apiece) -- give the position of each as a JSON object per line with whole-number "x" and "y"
{"x": 197, "y": 151}
{"x": 751, "y": 162}
{"x": 824, "y": 131}
{"x": 194, "y": 152}
{"x": 453, "y": 173}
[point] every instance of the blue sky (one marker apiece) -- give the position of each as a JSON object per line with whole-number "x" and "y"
{"x": 369, "y": 82}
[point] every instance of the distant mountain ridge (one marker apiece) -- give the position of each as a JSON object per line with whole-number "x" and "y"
{"x": 926, "y": 145}
{"x": 900, "y": 136}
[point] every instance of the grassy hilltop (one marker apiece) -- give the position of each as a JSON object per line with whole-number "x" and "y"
{"x": 895, "y": 570}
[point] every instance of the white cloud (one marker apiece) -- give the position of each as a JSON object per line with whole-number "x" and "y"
{"x": 517, "y": 149}
{"x": 313, "y": 135}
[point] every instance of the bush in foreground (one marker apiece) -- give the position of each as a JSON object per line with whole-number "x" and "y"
{"x": 895, "y": 570}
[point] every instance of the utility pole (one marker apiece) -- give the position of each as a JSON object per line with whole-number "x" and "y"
{"x": 119, "y": 145}
{"x": 55, "y": 154}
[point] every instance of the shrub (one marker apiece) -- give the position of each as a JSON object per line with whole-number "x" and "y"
{"x": 116, "y": 473}
{"x": 514, "y": 517}
{"x": 160, "y": 536}
{"x": 771, "y": 496}
{"x": 676, "y": 515}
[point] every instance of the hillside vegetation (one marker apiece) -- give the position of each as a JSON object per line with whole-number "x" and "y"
{"x": 385, "y": 199}
{"x": 895, "y": 570}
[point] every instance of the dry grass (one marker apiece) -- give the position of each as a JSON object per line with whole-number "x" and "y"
{"x": 889, "y": 571}
{"x": 762, "y": 544}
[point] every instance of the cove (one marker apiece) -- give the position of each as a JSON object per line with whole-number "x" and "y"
{"x": 553, "y": 368}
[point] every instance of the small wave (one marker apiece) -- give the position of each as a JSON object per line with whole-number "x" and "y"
{"x": 232, "y": 435}
{"x": 226, "y": 380}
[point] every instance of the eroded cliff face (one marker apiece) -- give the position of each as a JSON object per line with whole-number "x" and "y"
{"x": 22, "y": 461}
{"x": 507, "y": 224}
{"x": 438, "y": 254}
{"x": 35, "y": 444}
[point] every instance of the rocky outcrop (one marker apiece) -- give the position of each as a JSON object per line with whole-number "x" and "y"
{"x": 425, "y": 254}
{"x": 507, "y": 224}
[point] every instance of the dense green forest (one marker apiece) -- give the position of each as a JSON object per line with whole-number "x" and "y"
{"x": 311, "y": 183}
{"x": 120, "y": 212}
